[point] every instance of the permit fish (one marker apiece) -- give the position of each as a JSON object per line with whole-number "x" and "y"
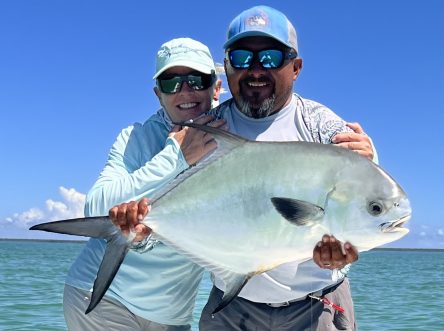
{"x": 251, "y": 206}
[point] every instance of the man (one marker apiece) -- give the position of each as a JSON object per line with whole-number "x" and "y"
{"x": 262, "y": 62}
{"x": 153, "y": 291}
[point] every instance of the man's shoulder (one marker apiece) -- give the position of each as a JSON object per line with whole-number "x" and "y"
{"x": 320, "y": 120}
{"x": 309, "y": 106}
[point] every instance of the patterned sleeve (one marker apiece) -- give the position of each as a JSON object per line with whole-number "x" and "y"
{"x": 322, "y": 123}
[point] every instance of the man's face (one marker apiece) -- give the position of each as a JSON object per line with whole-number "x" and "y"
{"x": 186, "y": 103}
{"x": 259, "y": 92}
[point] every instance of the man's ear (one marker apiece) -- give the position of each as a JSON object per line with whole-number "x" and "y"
{"x": 297, "y": 67}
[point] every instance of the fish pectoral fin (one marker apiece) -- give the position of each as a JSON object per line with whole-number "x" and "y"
{"x": 298, "y": 212}
{"x": 116, "y": 249}
{"x": 96, "y": 227}
{"x": 234, "y": 284}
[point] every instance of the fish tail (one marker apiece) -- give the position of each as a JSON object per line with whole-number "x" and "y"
{"x": 117, "y": 247}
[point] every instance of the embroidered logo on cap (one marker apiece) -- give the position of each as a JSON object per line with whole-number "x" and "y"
{"x": 258, "y": 20}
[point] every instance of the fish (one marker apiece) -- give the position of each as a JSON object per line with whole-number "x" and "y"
{"x": 251, "y": 206}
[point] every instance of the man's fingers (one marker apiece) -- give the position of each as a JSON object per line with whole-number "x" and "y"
{"x": 317, "y": 254}
{"x": 336, "y": 250}
{"x": 348, "y": 137}
{"x": 326, "y": 252}
{"x": 356, "y": 127}
{"x": 351, "y": 253}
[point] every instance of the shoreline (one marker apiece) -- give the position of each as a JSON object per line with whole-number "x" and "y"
{"x": 85, "y": 240}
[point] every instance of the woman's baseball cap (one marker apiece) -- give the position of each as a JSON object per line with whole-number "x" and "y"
{"x": 184, "y": 52}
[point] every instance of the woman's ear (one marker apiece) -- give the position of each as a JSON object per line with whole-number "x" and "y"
{"x": 216, "y": 90}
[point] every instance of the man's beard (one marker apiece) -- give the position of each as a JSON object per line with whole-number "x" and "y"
{"x": 264, "y": 110}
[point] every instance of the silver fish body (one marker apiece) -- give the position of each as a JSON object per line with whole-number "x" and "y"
{"x": 252, "y": 206}
{"x": 224, "y": 217}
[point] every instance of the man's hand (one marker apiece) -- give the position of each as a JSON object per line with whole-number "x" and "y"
{"x": 195, "y": 143}
{"x": 128, "y": 215}
{"x": 328, "y": 253}
{"x": 356, "y": 141}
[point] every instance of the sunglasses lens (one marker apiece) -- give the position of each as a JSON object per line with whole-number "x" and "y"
{"x": 268, "y": 58}
{"x": 196, "y": 82}
{"x": 271, "y": 58}
{"x": 240, "y": 58}
{"x": 171, "y": 85}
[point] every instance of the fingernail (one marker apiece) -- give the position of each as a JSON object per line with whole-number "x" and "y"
{"x": 140, "y": 217}
{"x": 347, "y": 246}
{"x": 319, "y": 244}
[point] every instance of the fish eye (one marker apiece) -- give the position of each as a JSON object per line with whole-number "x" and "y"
{"x": 375, "y": 208}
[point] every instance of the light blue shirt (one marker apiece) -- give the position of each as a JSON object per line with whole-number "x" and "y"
{"x": 160, "y": 285}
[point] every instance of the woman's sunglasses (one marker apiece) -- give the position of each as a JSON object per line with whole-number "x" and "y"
{"x": 268, "y": 58}
{"x": 197, "y": 81}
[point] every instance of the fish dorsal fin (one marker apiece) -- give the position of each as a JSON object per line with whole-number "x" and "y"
{"x": 298, "y": 212}
{"x": 226, "y": 142}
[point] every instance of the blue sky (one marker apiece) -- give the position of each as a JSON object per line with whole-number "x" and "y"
{"x": 74, "y": 73}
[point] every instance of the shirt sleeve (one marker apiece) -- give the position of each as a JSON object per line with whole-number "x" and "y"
{"x": 130, "y": 174}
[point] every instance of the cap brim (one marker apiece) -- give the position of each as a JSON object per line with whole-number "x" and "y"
{"x": 193, "y": 65}
{"x": 245, "y": 34}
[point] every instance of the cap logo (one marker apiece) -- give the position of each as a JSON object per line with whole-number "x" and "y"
{"x": 257, "y": 21}
{"x": 168, "y": 52}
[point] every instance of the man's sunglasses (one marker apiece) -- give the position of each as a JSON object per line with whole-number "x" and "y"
{"x": 196, "y": 81}
{"x": 268, "y": 58}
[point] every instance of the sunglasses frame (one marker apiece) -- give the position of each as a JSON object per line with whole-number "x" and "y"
{"x": 188, "y": 78}
{"x": 286, "y": 54}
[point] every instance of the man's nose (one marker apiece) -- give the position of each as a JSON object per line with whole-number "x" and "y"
{"x": 256, "y": 66}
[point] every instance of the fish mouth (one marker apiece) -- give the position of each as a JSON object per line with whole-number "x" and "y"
{"x": 395, "y": 226}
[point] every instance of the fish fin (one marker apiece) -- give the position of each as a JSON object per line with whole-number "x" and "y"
{"x": 234, "y": 281}
{"x": 234, "y": 284}
{"x": 116, "y": 249}
{"x": 96, "y": 227}
{"x": 226, "y": 142}
{"x": 224, "y": 138}
{"x": 298, "y": 212}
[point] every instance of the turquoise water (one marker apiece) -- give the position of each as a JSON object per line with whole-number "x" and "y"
{"x": 392, "y": 289}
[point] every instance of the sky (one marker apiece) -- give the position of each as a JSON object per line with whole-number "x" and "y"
{"x": 74, "y": 73}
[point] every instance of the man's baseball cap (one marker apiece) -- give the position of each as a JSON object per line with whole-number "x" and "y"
{"x": 262, "y": 21}
{"x": 184, "y": 52}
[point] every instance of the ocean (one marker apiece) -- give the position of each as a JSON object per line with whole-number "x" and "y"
{"x": 400, "y": 290}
